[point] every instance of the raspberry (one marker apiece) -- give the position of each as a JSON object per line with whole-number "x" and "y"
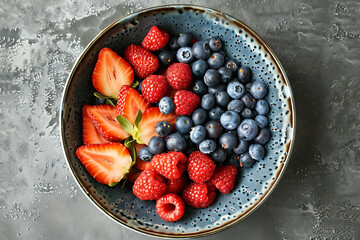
{"x": 179, "y": 76}
{"x": 154, "y": 87}
{"x": 171, "y": 165}
{"x": 224, "y": 178}
{"x": 170, "y": 207}
{"x": 176, "y": 185}
{"x": 199, "y": 195}
{"x": 149, "y": 185}
{"x": 156, "y": 39}
{"x": 200, "y": 167}
{"x": 143, "y": 61}
{"x": 185, "y": 102}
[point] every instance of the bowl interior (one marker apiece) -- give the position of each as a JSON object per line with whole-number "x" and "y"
{"x": 252, "y": 185}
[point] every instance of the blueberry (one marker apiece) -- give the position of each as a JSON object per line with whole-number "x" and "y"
{"x": 211, "y": 77}
{"x": 185, "y": 55}
{"x": 219, "y": 156}
{"x": 262, "y": 107}
{"x": 215, "y": 44}
{"x": 214, "y": 129}
{"x": 166, "y": 105}
{"x": 247, "y": 130}
{"x": 99, "y": 101}
{"x": 235, "y": 106}
{"x": 207, "y": 101}
{"x": 230, "y": 120}
{"x": 244, "y": 74}
{"x": 233, "y": 159}
{"x": 241, "y": 147}
{"x": 183, "y": 124}
{"x": 225, "y": 74}
{"x": 258, "y": 89}
{"x": 215, "y": 114}
{"x": 163, "y": 128}
{"x": 199, "y": 88}
{"x": 138, "y": 88}
{"x": 248, "y": 86}
{"x": 246, "y": 160}
{"x": 263, "y": 136}
{"x": 199, "y": 116}
{"x": 235, "y": 90}
{"x": 207, "y": 146}
{"x": 144, "y": 154}
{"x": 175, "y": 142}
{"x": 166, "y": 58}
{"x": 201, "y": 50}
{"x": 198, "y": 134}
{"x": 218, "y": 88}
{"x": 156, "y": 145}
{"x": 256, "y": 151}
{"x": 173, "y": 43}
{"x": 246, "y": 113}
{"x": 222, "y": 99}
{"x": 185, "y": 39}
{"x": 228, "y": 140}
{"x": 248, "y": 100}
{"x": 216, "y": 60}
{"x": 232, "y": 65}
{"x": 262, "y": 121}
{"x": 199, "y": 68}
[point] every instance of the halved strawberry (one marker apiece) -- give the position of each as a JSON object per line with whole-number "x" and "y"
{"x": 129, "y": 102}
{"x": 90, "y": 134}
{"x": 104, "y": 119}
{"x": 111, "y": 72}
{"x": 107, "y": 163}
{"x": 149, "y": 119}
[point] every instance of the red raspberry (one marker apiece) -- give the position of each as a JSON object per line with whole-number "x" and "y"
{"x": 149, "y": 185}
{"x": 199, "y": 195}
{"x": 156, "y": 39}
{"x": 170, "y": 207}
{"x": 224, "y": 178}
{"x": 176, "y": 185}
{"x": 200, "y": 167}
{"x": 154, "y": 87}
{"x": 171, "y": 165}
{"x": 185, "y": 102}
{"x": 179, "y": 75}
{"x": 143, "y": 61}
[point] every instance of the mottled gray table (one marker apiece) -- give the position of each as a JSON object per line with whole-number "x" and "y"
{"x": 318, "y": 43}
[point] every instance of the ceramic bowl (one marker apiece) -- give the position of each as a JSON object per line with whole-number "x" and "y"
{"x": 253, "y": 185}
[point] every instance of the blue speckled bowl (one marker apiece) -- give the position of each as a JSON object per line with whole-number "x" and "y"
{"x": 253, "y": 185}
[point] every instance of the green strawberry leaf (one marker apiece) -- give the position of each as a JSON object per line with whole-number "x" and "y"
{"x": 123, "y": 184}
{"x": 125, "y": 124}
{"x": 100, "y": 96}
{"x": 130, "y": 142}
{"x": 113, "y": 184}
{"x": 133, "y": 154}
{"x": 110, "y": 102}
{"x": 138, "y": 118}
{"x": 135, "y": 84}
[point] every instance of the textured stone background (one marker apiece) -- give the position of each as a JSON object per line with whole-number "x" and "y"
{"x": 318, "y": 43}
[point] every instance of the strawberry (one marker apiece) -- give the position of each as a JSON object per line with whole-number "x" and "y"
{"x": 179, "y": 76}
{"x": 199, "y": 195}
{"x": 143, "y": 165}
{"x": 224, "y": 178}
{"x": 185, "y": 102}
{"x": 143, "y": 61}
{"x": 111, "y": 72}
{"x": 131, "y": 177}
{"x": 176, "y": 185}
{"x": 170, "y": 207}
{"x": 129, "y": 102}
{"x": 156, "y": 39}
{"x": 104, "y": 119}
{"x": 171, "y": 165}
{"x": 107, "y": 162}
{"x": 200, "y": 167}
{"x": 149, "y": 185}
{"x": 154, "y": 87}
{"x": 149, "y": 120}
{"x": 90, "y": 134}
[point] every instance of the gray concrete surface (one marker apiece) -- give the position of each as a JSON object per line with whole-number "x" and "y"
{"x": 318, "y": 43}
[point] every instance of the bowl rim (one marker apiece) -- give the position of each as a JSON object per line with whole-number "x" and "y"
{"x": 290, "y": 145}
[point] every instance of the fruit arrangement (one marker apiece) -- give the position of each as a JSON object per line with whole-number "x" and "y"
{"x": 176, "y": 118}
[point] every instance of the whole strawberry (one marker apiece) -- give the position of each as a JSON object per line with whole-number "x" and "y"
{"x": 170, "y": 207}
{"x": 199, "y": 195}
{"x": 149, "y": 185}
{"x": 156, "y": 39}
{"x": 179, "y": 76}
{"x": 154, "y": 87}
{"x": 185, "y": 102}
{"x": 176, "y": 185}
{"x": 200, "y": 167}
{"x": 224, "y": 178}
{"x": 171, "y": 165}
{"x": 143, "y": 61}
